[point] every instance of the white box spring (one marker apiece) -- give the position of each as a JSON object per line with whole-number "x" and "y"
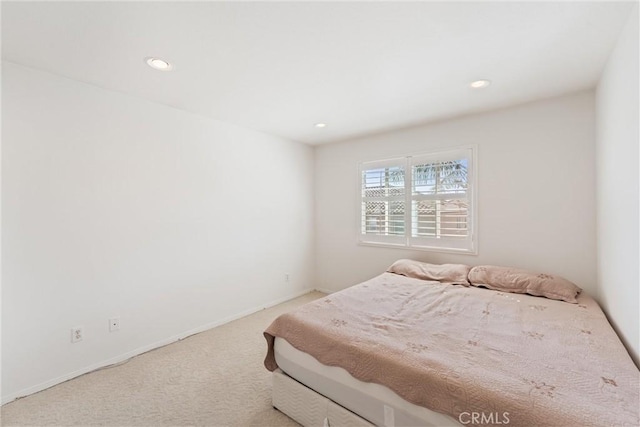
{"x": 365, "y": 399}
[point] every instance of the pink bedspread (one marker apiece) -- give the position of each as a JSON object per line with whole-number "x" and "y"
{"x": 459, "y": 351}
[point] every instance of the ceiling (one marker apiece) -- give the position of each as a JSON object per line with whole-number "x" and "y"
{"x": 282, "y": 67}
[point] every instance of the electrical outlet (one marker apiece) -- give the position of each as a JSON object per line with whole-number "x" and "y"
{"x": 77, "y": 334}
{"x": 114, "y": 324}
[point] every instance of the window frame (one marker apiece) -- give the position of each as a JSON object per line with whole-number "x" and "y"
{"x": 408, "y": 242}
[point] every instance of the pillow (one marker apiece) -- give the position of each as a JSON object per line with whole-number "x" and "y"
{"x": 520, "y": 282}
{"x": 450, "y": 274}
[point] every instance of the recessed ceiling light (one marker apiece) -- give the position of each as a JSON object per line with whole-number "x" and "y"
{"x": 320, "y": 125}
{"x": 158, "y": 64}
{"x": 479, "y": 84}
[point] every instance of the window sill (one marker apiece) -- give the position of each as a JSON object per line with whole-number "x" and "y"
{"x": 473, "y": 251}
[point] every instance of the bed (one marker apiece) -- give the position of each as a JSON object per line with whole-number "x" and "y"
{"x": 399, "y": 350}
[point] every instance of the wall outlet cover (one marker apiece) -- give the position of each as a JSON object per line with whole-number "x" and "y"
{"x": 77, "y": 334}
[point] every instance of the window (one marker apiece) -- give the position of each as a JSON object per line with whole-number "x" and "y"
{"x": 420, "y": 202}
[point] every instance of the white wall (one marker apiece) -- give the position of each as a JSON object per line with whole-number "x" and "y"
{"x": 535, "y": 199}
{"x": 617, "y": 189}
{"x": 115, "y": 206}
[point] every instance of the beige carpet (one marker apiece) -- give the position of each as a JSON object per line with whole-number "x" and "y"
{"x": 215, "y": 378}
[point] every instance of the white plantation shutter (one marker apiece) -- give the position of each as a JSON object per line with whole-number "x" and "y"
{"x": 383, "y": 204}
{"x": 441, "y": 200}
{"x": 421, "y": 202}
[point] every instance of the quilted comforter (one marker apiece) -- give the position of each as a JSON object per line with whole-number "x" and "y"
{"x": 464, "y": 350}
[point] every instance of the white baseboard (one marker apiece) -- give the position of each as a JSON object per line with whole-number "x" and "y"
{"x": 325, "y": 291}
{"x": 120, "y": 358}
